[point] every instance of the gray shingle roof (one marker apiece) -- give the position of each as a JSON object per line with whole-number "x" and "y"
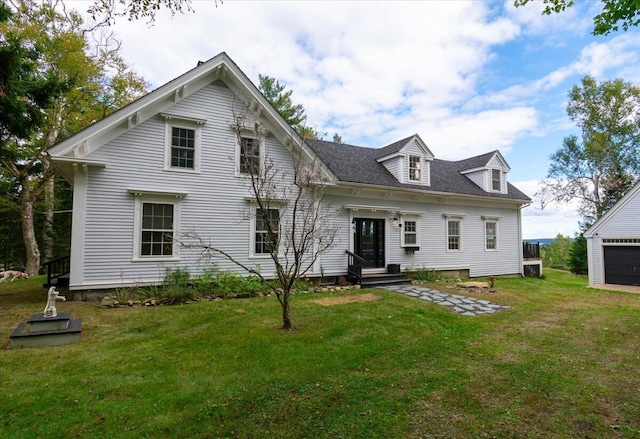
{"x": 358, "y": 164}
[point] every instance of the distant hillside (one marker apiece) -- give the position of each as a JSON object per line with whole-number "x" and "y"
{"x": 542, "y": 241}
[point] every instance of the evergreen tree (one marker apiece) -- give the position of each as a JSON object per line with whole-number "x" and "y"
{"x": 578, "y": 260}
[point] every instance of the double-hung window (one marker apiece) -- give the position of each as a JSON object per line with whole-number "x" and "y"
{"x": 491, "y": 232}
{"x": 157, "y": 230}
{"x": 496, "y": 180}
{"x": 156, "y": 225}
{"x": 266, "y": 233}
{"x": 249, "y": 156}
{"x": 410, "y": 231}
{"x": 491, "y": 235}
{"x": 183, "y": 148}
{"x": 415, "y": 165}
{"x": 182, "y": 143}
{"x": 454, "y": 235}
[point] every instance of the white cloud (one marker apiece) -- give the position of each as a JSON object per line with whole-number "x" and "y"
{"x": 370, "y": 70}
{"x": 376, "y": 72}
{"x": 548, "y": 222}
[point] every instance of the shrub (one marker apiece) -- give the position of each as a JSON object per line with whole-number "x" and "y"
{"x": 176, "y": 288}
{"x": 228, "y": 283}
{"x": 423, "y": 275}
{"x": 204, "y": 284}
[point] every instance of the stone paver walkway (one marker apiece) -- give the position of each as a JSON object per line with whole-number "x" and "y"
{"x": 466, "y": 306}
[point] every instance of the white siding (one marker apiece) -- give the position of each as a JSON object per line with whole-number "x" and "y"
{"x": 621, "y": 224}
{"x": 479, "y": 178}
{"x": 414, "y": 149}
{"x": 215, "y": 206}
{"x": 433, "y": 245}
{"x": 394, "y": 166}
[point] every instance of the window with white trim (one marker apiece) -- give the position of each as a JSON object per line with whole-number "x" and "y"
{"x": 156, "y": 227}
{"x": 249, "y": 157}
{"x": 410, "y": 231}
{"x": 491, "y": 235}
{"x": 182, "y": 144}
{"x": 496, "y": 180}
{"x": 410, "y": 235}
{"x": 415, "y": 168}
{"x": 454, "y": 234}
{"x": 183, "y": 148}
{"x": 266, "y": 231}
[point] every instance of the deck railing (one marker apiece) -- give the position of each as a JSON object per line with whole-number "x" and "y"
{"x": 354, "y": 266}
{"x": 531, "y": 250}
{"x": 57, "y": 268}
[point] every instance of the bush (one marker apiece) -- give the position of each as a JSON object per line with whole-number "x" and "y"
{"x": 228, "y": 283}
{"x": 423, "y": 275}
{"x": 176, "y": 288}
{"x": 204, "y": 284}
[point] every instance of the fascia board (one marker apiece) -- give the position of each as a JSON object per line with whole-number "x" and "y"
{"x": 471, "y": 171}
{"x": 143, "y": 108}
{"x": 591, "y": 231}
{"x": 501, "y": 159}
{"x": 424, "y": 147}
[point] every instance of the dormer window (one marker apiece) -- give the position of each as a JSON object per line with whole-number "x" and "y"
{"x": 415, "y": 162}
{"x": 496, "y": 180}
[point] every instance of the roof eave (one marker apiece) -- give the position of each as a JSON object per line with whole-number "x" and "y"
{"x": 518, "y": 201}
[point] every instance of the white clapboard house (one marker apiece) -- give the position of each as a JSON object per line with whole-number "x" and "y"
{"x": 169, "y": 163}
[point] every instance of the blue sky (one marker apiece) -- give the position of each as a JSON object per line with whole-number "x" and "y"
{"x": 468, "y": 77}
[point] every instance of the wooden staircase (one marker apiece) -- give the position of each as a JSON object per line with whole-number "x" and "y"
{"x": 357, "y": 274}
{"x": 58, "y": 272}
{"x": 382, "y": 279}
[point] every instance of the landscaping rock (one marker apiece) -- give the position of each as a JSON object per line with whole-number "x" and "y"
{"x": 108, "y": 301}
{"x": 472, "y": 285}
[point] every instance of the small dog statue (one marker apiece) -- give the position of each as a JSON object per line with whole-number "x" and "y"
{"x": 50, "y": 310}
{"x": 12, "y": 275}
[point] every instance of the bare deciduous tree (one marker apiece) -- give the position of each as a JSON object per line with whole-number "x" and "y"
{"x": 293, "y": 225}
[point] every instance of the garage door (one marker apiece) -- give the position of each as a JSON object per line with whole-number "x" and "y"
{"x": 622, "y": 265}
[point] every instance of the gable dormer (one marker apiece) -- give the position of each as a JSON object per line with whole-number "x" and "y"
{"x": 408, "y": 160}
{"x": 489, "y": 171}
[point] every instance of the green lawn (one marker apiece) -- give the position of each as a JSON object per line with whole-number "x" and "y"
{"x": 564, "y": 361}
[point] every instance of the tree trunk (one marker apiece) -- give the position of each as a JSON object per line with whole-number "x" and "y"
{"x": 49, "y": 185}
{"x": 49, "y": 208}
{"x": 28, "y": 230}
{"x": 286, "y": 311}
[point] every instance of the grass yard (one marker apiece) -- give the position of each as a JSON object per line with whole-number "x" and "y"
{"x": 564, "y": 361}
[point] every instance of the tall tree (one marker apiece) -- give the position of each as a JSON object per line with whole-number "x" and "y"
{"x": 599, "y": 166}
{"x": 27, "y": 89}
{"x": 275, "y": 93}
{"x": 614, "y": 13}
{"x": 95, "y": 89}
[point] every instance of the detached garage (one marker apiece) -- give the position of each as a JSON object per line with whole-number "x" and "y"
{"x": 613, "y": 243}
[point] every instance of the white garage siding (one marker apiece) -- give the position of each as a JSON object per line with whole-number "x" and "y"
{"x": 620, "y": 226}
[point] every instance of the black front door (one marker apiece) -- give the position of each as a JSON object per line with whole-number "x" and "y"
{"x": 369, "y": 241}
